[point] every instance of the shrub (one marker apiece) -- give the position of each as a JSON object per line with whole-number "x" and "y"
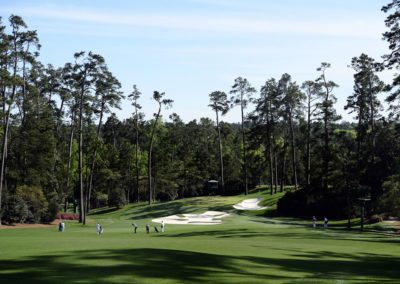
{"x": 117, "y": 198}
{"x": 35, "y": 200}
{"x": 16, "y": 210}
{"x": 54, "y": 207}
{"x": 375, "y": 219}
{"x": 389, "y": 202}
{"x": 68, "y": 216}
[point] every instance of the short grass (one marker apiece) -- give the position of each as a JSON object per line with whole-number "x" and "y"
{"x": 246, "y": 248}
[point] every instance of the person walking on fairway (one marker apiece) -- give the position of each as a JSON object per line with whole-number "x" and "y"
{"x": 325, "y": 223}
{"x": 314, "y": 222}
{"x": 134, "y": 227}
{"x": 147, "y": 228}
{"x": 98, "y": 227}
{"x": 162, "y": 226}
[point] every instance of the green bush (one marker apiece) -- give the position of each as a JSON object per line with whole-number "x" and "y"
{"x": 389, "y": 202}
{"x": 117, "y": 197}
{"x": 16, "y": 210}
{"x": 53, "y": 208}
{"x": 35, "y": 201}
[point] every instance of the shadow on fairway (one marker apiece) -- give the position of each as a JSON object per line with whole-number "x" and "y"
{"x": 126, "y": 266}
{"x": 139, "y": 265}
{"x": 234, "y": 233}
{"x": 175, "y": 208}
{"x": 103, "y": 210}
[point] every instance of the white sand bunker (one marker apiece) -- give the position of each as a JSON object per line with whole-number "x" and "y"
{"x": 249, "y": 204}
{"x": 206, "y": 218}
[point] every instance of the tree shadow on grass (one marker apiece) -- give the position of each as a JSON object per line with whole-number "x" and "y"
{"x": 104, "y": 210}
{"x": 129, "y": 266}
{"x": 175, "y": 208}
{"x": 177, "y": 266}
{"x": 311, "y": 234}
{"x": 235, "y": 233}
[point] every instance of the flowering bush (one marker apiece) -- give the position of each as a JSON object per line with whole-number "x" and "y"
{"x": 68, "y": 216}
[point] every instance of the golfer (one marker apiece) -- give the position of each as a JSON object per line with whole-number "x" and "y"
{"x": 326, "y": 222}
{"x": 134, "y": 227}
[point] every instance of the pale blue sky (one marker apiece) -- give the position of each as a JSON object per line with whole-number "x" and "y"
{"x": 190, "y": 48}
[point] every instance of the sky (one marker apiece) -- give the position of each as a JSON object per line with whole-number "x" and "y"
{"x": 190, "y": 48}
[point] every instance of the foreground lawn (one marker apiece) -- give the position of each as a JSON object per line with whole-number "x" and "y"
{"x": 244, "y": 249}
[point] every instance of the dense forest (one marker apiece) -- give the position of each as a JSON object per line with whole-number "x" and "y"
{"x": 63, "y": 144}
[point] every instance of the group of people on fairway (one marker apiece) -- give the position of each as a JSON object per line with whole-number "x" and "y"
{"x": 314, "y": 222}
{"x": 135, "y": 227}
{"x": 100, "y": 230}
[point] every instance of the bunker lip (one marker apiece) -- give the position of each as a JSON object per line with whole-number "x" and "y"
{"x": 249, "y": 204}
{"x": 206, "y": 218}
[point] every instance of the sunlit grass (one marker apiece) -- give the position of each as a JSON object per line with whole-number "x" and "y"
{"x": 245, "y": 248}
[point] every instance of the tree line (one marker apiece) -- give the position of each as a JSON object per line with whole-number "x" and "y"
{"x": 63, "y": 144}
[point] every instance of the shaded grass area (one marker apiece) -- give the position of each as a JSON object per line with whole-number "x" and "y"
{"x": 179, "y": 266}
{"x": 246, "y": 248}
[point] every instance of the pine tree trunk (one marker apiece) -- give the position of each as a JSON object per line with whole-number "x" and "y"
{"x": 71, "y": 141}
{"x": 326, "y": 155}
{"x": 82, "y": 217}
{"x": 4, "y": 154}
{"x": 276, "y": 173}
{"x": 137, "y": 156}
{"x": 308, "y": 166}
{"x": 221, "y": 160}
{"x": 89, "y": 191}
{"x": 373, "y": 134}
{"x": 292, "y": 142}
{"x": 149, "y": 154}
{"x": 246, "y": 189}
{"x": 283, "y": 165}
{"x": 6, "y": 126}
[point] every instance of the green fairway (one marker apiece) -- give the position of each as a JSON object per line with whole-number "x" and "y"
{"x": 246, "y": 248}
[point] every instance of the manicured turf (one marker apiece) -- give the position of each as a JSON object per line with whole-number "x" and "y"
{"x": 245, "y": 249}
